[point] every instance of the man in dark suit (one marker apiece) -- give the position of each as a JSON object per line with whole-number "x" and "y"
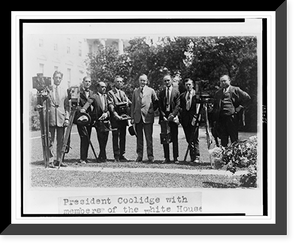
{"x": 116, "y": 97}
{"x": 84, "y": 132}
{"x": 187, "y": 113}
{"x": 229, "y": 101}
{"x": 101, "y": 115}
{"x": 168, "y": 110}
{"x": 144, "y": 103}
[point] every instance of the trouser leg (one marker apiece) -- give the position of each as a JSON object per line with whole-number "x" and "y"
{"x": 84, "y": 134}
{"x": 102, "y": 140}
{"x": 115, "y": 141}
{"x": 60, "y": 140}
{"x": 140, "y": 139}
{"x": 122, "y": 140}
{"x": 174, "y": 138}
{"x": 148, "y": 129}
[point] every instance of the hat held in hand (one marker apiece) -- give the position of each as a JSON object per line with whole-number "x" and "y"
{"x": 83, "y": 119}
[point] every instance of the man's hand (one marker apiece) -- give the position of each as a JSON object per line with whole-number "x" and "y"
{"x": 82, "y": 110}
{"x": 238, "y": 109}
{"x": 103, "y": 116}
{"x": 66, "y": 123}
{"x": 171, "y": 117}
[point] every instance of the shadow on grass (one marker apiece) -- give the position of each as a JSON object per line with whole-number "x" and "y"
{"x": 220, "y": 185}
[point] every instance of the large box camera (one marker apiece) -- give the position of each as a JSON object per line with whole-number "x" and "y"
{"x": 202, "y": 96}
{"x": 40, "y": 82}
{"x": 122, "y": 110}
{"x": 74, "y": 95}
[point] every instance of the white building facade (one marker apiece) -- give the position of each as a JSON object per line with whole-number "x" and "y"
{"x": 44, "y": 53}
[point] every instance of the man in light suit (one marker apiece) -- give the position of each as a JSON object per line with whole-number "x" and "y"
{"x": 100, "y": 114}
{"x": 58, "y": 117}
{"x": 144, "y": 103}
{"x": 187, "y": 112}
{"x": 168, "y": 110}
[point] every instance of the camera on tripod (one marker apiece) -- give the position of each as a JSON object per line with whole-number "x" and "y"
{"x": 202, "y": 96}
{"x": 74, "y": 95}
{"x": 40, "y": 82}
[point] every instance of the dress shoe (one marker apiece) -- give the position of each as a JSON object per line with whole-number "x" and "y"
{"x": 139, "y": 159}
{"x": 123, "y": 159}
{"x": 196, "y": 161}
{"x": 151, "y": 159}
{"x": 117, "y": 160}
{"x": 51, "y": 165}
{"x": 166, "y": 161}
{"x": 176, "y": 161}
{"x": 82, "y": 161}
{"x": 56, "y": 163}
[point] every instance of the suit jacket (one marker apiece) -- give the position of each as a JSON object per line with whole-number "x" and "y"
{"x": 174, "y": 103}
{"x": 144, "y": 107}
{"x": 113, "y": 100}
{"x": 59, "y": 108}
{"x": 238, "y": 98}
{"x": 82, "y": 101}
{"x": 186, "y": 116}
{"x": 98, "y": 108}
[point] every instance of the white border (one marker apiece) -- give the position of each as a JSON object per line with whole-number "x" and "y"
{"x": 16, "y": 16}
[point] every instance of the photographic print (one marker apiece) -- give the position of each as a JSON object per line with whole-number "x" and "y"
{"x": 145, "y": 120}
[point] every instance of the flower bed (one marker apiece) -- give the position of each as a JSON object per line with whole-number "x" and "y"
{"x": 240, "y": 154}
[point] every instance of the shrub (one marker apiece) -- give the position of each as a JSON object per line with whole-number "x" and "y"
{"x": 240, "y": 154}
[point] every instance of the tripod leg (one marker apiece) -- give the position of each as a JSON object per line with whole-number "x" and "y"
{"x": 47, "y": 133}
{"x": 66, "y": 137}
{"x": 86, "y": 132}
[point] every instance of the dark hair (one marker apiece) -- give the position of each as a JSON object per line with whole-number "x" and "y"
{"x": 58, "y": 72}
{"x": 188, "y": 79}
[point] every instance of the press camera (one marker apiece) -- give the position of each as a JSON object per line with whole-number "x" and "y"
{"x": 122, "y": 110}
{"x": 202, "y": 96}
{"x": 40, "y": 82}
{"x": 74, "y": 95}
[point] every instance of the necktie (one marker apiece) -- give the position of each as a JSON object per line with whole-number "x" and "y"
{"x": 168, "y": 96}
{"x": 168, "y": 99}
{"x": 141, "y": 94}
{"x": 188, "y": 101}
{"x": 56, "y": 96}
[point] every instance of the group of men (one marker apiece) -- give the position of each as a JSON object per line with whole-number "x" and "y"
{"x": 174, "y": 108}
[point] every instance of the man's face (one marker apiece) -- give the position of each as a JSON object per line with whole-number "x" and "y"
{"x": 87, "y": 83}
{"x": 167, "y": 81}
{"x": 57, "y": 79}
{"x": 101, "y": 87}
{"x": 224, "y": 82}
{"x": 143, "y": 81}
{"x": 189, "y": 85}
{"x": 118, "y": 83}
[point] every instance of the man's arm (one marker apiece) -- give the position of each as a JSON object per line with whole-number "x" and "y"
{"x": 132, "y": 106}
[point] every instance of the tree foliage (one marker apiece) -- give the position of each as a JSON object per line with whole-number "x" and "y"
{"x": 205, "y": 58}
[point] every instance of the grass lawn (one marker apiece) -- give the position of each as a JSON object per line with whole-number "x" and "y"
{"x": 85, "y": 178}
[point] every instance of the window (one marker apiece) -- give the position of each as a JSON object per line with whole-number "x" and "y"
{"x": 69, "y": 77}
{"x": 68, "y": 45}
{"x": 41, "y": 68}
{"x": 80, "y": 49}
{"x": 41, "y": 42}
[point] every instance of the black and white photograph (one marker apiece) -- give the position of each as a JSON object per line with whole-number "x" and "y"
{"x": 136, "y": 119}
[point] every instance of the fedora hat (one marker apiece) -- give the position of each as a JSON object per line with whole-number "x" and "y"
{"x": 83, "y": 119}
{"x": 131, "y": 130}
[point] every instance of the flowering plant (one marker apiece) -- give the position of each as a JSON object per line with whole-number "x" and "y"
{"x": 240, "y": 154}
